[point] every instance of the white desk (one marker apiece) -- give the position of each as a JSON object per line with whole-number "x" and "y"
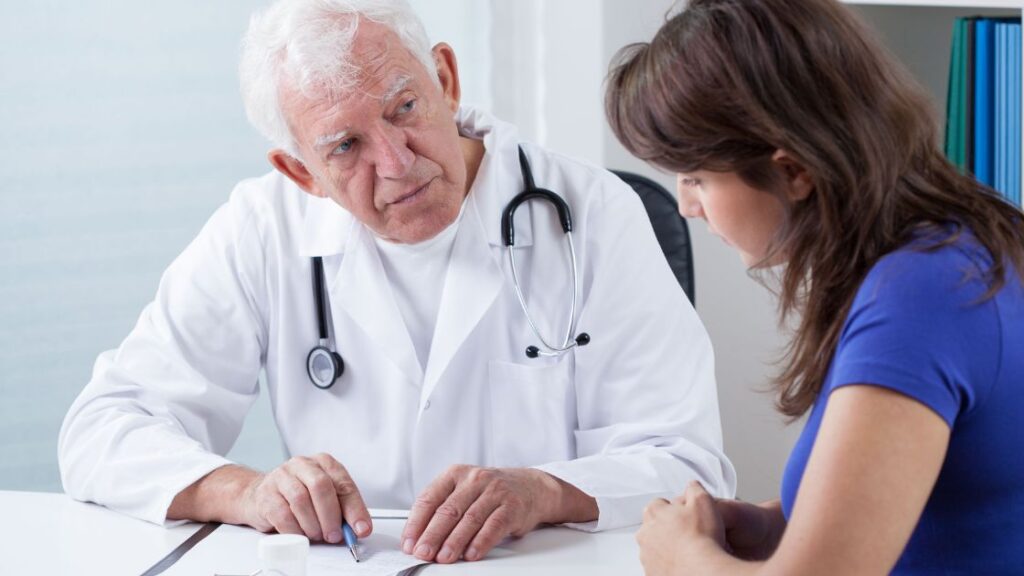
{"x": 50, "y": 534}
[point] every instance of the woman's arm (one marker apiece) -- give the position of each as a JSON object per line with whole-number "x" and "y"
{"x": 875, "y": 461}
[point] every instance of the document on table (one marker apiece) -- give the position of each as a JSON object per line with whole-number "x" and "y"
{"x": 381, "y": 555}
{"x": 389, "y": 514}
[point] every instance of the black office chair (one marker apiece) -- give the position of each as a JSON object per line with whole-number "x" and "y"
{"x": 669, "y": 227}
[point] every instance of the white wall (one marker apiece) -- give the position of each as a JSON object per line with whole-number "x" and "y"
{"x": 121, "y": 133}
{"x": 466, "y": 26}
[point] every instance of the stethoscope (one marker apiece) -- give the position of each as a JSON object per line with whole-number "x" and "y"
{"x": 324, "y": 365}
{"x": 508, "y": 237}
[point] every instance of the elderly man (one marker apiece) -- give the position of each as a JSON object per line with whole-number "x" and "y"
{"x": 367, "y": 277}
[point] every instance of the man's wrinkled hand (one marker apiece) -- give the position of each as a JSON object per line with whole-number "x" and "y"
{"x": 306, "y": 495}
{"x": 468, "y": 510}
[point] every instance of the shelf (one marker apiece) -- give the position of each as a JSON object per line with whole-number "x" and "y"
{"x": 919, "y": 33}
{"x": 980, "y": 5}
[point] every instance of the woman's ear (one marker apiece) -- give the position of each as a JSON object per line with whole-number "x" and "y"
{"x": 799, "y": 183}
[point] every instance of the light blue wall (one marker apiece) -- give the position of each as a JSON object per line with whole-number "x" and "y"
{"x": 121, "y": 130}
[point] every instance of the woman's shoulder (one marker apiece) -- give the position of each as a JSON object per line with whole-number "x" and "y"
{"x": 938, "y": 263}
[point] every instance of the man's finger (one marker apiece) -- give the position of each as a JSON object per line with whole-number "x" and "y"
{"x": 295, "y": 492}
{"x": 353, "y": 509}
{"x": 445, "y": 518}
{"x": 325, "y": 499}
{"x": 469, "y": 525}
{"x": 497, "y": 527}
{"x": 423, "y": 510}
{"x": 278, "y": 513}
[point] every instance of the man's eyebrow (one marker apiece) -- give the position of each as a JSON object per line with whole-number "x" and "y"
{"x": 400, "y": 83}
{"x": 397, "y": 86}
{"x": 326, "y": 139}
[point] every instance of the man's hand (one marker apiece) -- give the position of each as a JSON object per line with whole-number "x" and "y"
{"x": 306, "y": 495}
{"x": 467, "y": 510}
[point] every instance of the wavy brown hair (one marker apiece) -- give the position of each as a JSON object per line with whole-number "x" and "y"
{"x": 726, "y": 83}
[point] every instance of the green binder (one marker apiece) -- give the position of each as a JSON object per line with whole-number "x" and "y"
{"x": 954, "y": 98}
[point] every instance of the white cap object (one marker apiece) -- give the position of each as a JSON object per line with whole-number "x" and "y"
{"x": 283, "y": 554}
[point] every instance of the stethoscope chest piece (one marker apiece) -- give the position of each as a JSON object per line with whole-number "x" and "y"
{"x": 324, "y": 367}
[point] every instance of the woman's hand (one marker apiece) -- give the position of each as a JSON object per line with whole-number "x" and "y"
{"x": 683, "y": 536}
{"x": 752, "y": 531}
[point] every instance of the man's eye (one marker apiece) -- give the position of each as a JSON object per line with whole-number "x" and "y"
{"x": 408, "y": 106}
{"x": 345, "y": 146}
{"x": 690, "y": 182}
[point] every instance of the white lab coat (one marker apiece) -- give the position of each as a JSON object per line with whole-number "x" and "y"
{"x": 632, "y": 416}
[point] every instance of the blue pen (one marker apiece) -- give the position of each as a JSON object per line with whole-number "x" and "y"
{"x": 350, "y": 539}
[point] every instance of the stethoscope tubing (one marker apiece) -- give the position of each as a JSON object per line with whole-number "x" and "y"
{"x": 508, "y": 234}
{"x": 568, "y": 343}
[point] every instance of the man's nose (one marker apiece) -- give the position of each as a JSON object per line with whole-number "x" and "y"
{"x": 394, "y": 159}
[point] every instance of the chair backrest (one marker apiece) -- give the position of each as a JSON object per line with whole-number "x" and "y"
{"x": 669, "y": 227}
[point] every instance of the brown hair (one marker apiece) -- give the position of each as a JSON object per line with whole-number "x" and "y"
{"x": 726, "y": 83}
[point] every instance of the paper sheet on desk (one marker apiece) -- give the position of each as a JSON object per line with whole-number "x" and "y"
{"x": 389, "y": 514}
{"x": 380, "y": 553}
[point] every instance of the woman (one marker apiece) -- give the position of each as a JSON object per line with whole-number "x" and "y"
{"x": 802, "y": 143}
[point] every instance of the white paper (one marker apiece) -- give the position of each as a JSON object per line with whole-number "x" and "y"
{"x": 388, "y": 514}
{"x": 380, "y": 555}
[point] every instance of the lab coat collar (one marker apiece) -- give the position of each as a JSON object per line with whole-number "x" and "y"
{"x": 360, "y": 287}
{"x": 499, "y": 178}
{"x": 327, "y": 228}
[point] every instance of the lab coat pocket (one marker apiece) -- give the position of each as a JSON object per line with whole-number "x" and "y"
{"x": 533, "y": 414}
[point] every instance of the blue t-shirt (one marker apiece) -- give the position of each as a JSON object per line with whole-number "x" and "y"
{"x": 916, "y": 326}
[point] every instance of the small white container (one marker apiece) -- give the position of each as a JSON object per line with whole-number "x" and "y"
{"x": 283, "y": 554}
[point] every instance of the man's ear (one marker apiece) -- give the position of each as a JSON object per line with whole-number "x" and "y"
{"x": 799, "y": 182}
{"x": 448, "y": 75}
{"x": 296, "y": 171}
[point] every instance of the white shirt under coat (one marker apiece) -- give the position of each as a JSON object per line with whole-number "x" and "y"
{"x": 630, "y": 417}
{"x": 416, "y": 275}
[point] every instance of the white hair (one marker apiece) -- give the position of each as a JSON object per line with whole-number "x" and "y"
{"x": 308, "y": 44}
